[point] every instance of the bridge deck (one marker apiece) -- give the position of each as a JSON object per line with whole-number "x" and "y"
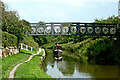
{"x": 73, "y": 28}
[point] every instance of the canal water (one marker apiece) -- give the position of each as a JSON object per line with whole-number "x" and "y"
{"x": 69, "y": 68}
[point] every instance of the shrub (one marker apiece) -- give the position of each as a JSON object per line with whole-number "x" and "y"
{"x": 30, "y": 42}
{"x": 8, "y": 39}
{"x": 99, "y": 51}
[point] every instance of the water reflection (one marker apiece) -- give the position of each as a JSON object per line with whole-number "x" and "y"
{"x": 68, "y": 68}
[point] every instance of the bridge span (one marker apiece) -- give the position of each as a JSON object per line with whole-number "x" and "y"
{"x": 73, "y": 28}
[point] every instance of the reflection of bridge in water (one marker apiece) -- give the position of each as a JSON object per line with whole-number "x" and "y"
{"x": 73, "y": 28}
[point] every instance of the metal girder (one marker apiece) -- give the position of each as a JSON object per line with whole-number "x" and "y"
{"x": 73, "y": 28}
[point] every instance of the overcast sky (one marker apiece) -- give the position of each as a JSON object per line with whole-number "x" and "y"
{"x": 63, "y": 10}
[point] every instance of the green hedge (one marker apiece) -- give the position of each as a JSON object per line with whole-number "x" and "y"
{"x": 8, "y": 39}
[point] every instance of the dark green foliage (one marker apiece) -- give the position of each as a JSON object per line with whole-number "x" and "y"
{"x": 101, "y": 52}
{"x": 8, "y": 39}
{"x": 111, "y": 19}
{"x": 40, "y": 40}
{"x": 13, "y": 25}
{"x": 112, "y": 49}
{"x": 30, "y": 41}
{"x": 115, "y": 51}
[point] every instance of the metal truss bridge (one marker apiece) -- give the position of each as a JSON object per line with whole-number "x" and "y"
{"x": 73, "y": 28}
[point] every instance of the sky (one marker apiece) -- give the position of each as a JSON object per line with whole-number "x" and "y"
{"x": 63, "y": 10}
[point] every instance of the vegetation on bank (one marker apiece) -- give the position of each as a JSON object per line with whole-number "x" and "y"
{"x": 30, "y": 41}
{"x": 0, "y": 68}
{"x": 78, "y": 49}
{"x": 94, "y": 48}
{"x": 31, "y": 69}
{"x": 106, "y": 50}
{"x": 10, "y": 62}
{"x": 8, "y": 39}
{"x": 14, "y": 29}
{"x": 102, "y": 51}
{"x": 14, "y": 33}
{"x": 99, "y": 50}
{"x": 28, "y": 52}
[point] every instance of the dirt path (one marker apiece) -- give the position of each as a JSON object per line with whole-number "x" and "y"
{"x": 12, "y": 72}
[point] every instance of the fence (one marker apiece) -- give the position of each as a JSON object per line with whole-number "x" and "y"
{"x": 26, "y": 47}
{"x": 4, "y": 52}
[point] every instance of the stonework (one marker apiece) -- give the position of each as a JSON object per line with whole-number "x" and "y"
{"x": 8, "y": 51}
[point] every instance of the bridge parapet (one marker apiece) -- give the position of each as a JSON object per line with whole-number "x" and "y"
{"x": 73, "y": 28}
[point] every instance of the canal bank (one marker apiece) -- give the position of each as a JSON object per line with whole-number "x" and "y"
{"x": 32, "y": 69}
{"x": 76, "y": 51}
{"x": 71, "y": 68}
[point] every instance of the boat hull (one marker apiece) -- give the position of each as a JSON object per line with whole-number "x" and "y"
{"x": 57, "y": 54}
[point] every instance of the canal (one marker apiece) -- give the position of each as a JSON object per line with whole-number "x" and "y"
{"x": 69, "y": 68}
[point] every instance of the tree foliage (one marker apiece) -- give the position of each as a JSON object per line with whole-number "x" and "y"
{"x": 12, "y": 24}
{"x": 9, "y": 40}
{"x": 105, "y": 50}
{"x": 30, "y": 41}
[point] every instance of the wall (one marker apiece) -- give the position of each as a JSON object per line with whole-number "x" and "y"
{"x": 8, "y": 51}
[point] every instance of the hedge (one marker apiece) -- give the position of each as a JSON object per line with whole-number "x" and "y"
{"x": 8, "y": 40}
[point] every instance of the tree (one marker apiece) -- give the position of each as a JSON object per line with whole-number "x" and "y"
{"x": 12, "y": 24}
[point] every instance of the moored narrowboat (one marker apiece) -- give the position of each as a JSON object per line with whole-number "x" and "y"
{"x": 57, "y": 52}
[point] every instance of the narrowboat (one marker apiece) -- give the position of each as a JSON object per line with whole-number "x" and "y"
{"x": 57, "y": 52}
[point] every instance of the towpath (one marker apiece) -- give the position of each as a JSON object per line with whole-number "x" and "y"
{"x": 12, "y": 72}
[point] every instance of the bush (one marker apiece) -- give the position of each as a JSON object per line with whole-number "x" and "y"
{"x": 8, "y": 39}
{"x": 99, "y": 52}
{"x": 30, "y": 42}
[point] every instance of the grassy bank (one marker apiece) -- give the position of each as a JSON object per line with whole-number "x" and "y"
{"x": 79, "y": 51}
{"x": 9, "y": 62}
{"x": 76, "y": 51}
{"x": 31, "y": 69}
{"x": 28, "y": 52}
{"x": 0, "y": 68}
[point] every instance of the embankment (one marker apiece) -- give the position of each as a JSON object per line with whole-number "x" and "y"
{"x": 77, "y": 50}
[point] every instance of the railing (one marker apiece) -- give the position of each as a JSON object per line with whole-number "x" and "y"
{"x": 26, "y": 47}
{"x": 73, "y": 28}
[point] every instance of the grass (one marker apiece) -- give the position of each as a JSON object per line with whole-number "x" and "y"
{"x": 9, "y": 62}
{"x": 28, "y": 52}
{"x": 31, "y": 69}
{"x": 70, "y": 46}
{"x": 48, "y": 45}
{"x": 78, "y": 49}
{"x": 0, "y": 68}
